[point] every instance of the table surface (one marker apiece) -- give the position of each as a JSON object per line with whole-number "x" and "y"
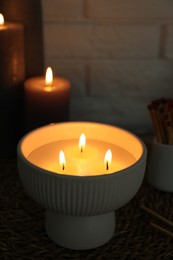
{"x": 23, "y": 236}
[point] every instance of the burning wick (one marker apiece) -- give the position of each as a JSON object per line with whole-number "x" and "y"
{"x": 108, "y": 159}
{"x": 62, "y": 160}
{"x": 82, "y": 142}
{"x": 107, "y": 165}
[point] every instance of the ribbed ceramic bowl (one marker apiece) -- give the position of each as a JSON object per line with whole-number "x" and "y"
{"x": 81, "y": 198}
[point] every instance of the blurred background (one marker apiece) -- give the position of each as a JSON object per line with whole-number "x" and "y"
{"x": 117, "y": 54}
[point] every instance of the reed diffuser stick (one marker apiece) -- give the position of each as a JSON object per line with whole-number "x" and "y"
{"x": 162, "y": 229}
{"x": 167, "y": 221}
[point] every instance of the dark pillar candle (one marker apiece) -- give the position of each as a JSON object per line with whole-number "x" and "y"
{"x": 46, "y": 104}
{"x": 12, "y": 74}
{"x": 29, "y": 13}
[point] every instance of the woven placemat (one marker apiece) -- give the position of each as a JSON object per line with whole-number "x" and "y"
{"x": 23, "y": 236}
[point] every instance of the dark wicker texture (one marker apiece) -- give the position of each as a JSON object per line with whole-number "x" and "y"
{"x": 23, "y": 236}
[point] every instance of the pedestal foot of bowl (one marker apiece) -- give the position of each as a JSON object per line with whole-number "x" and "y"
{"x": 80, "y": 233}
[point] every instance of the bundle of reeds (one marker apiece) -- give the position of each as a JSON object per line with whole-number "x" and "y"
{"x": 161, "y": 112}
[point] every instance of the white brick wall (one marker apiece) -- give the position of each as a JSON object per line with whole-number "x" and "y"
{"x": 117, "y": 54}
{"x": 130, "y": 9}
{"x": 59, "y": 9}
{"x": 98, "y": 40}
{"x": 169, "y": 41}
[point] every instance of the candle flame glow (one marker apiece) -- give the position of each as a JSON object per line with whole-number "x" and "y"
{"x": 1, "y": 19}
{"x": 108, "y": 159}
{"x": 82, "y": 142}
{"x": 62, "y": 160}
{"x": 49, "y": 77}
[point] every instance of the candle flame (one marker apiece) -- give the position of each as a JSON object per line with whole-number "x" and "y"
{"x": 1, "y": 19}
{"x": 82, "y": 142}
{"x": 49, "y": 77}
{"x": 62, "y": 160}
{"x": 108, "y": 159}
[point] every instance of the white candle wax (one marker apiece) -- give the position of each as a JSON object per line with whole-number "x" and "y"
{"x": 89, "y": 162}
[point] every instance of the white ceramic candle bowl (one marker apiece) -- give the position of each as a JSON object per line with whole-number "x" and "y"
{"x": 160, "y": 172}
{"x": 80, "y": 209}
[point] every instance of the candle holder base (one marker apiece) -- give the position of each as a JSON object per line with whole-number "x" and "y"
{"x": 80, "y": 233}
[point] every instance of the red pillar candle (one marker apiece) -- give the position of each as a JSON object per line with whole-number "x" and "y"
{"x": 46, "y": 100}
{"x": 12, "y": 74}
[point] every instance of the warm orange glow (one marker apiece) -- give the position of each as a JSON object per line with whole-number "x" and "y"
{"x": 82, "y": 142}
{"x": 62, "y": 160}
{"x": 108, "y": 159}
{"x": 48, "y": 89}
{"x": 1, "y": 19}
{"x": 49, "y": 77}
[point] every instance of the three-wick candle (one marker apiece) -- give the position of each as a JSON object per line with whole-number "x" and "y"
{"x": 93, "y": 158}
